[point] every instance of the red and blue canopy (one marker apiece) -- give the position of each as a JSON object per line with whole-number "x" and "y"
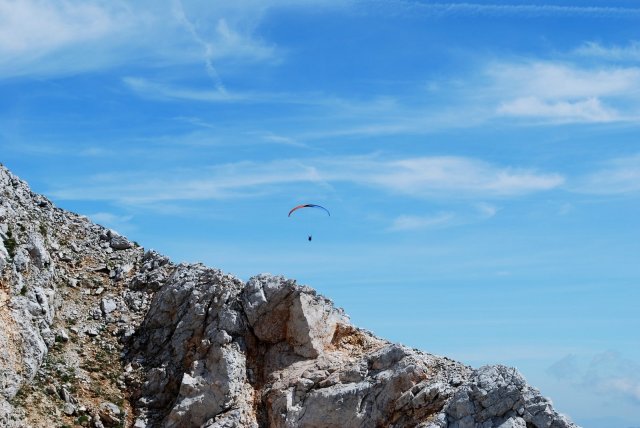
{"x": 308, "y": 206}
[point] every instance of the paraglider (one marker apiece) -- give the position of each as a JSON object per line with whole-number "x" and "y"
{"x": 309, "y": 206}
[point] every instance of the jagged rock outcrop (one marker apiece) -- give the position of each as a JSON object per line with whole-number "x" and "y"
{"x": 98, "y": 332}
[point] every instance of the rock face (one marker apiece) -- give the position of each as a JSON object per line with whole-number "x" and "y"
{"x": 97, "y": 332}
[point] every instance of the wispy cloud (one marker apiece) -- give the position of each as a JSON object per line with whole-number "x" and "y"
{"x": 39, "y": 38}
{"x": 58, "y": 38}
{"x": 537, "y": 91}
{"x": 32, "y": 27}
{"x": 332, "y": 107}
{"x": 617, "y": 176}
{"x": 158, "y": 90}
{"x": 486, "y": 210}
{"x": 564, "y": 92}
{"x": 477, "y": 212}
{"x": 606, "y": 373}
{"x": 412, "y": 222}
{"x": 589, "y": 110}
{"x": 529, "y": 10}
{"x": 223, "y": 42}
{"x": 441, "y": 177}
{"x": 208, "y": 50}
{"x": 163, "y": 90}
{"x": 550, "y": 80}
{"x": 630, "y": 52}
{"x": 272, "y": 138}
{"x": 459, "y": 177}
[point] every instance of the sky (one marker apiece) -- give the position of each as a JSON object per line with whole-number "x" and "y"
{"x": 480, "y": 160}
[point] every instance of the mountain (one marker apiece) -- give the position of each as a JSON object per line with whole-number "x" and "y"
{"x": 98, "y": 332}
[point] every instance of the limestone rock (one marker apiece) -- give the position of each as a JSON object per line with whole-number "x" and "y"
{"x": 118, "y": 242}
{"x": 496, "y": 395}
{"x": 188, "y": 345}
{"x": 278, "y": 310}
{"x": 108, "y": 305}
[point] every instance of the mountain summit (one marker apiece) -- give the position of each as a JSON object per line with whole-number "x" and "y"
{"x": 95, "y": 331}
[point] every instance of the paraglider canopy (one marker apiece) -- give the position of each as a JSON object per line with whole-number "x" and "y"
{"x": 309, "y": 237}
{"x": 308, "y": 206}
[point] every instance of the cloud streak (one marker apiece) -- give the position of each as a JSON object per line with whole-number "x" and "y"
{"x": 46, "y": 38}
{"x": 616, "y": 177}
{"x": 156, "y": 90}
{"x": 537, "y": 91}
{"x": 550, "y": 80}
{"x": 589, "y": 110}
{"x": 447, "y": 178}
{"x": 408, "y": 222}
{"x": 564, "y": 92}
{"x": 528, "y": 10}
{"x": 39, "y": 38}
{"x": 34, "y": 27}
{"x": 630, "y": 52}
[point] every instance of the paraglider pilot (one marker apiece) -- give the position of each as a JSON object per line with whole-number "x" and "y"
{"x": 308, "y": 206}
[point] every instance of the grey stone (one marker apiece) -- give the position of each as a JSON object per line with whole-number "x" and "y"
{"x": 118, "y": 242}
{"x": 140, "y": 423}
{"x": 108, "y": 305}
{"x": 513, "y": 422}
{"x": 69, "y": 409}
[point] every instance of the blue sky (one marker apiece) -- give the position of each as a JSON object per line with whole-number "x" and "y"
{"x": 480, "y": 160}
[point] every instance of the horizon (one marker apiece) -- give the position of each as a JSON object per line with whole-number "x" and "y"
{"x": 480, "y": 162}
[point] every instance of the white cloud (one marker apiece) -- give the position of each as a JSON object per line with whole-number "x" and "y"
{"x": 617, "y": 176}
{"x": 457, "y": 177}
{"x": 50, "y": 38}
{"x": 554, "y": 81}
{"x": 588, "y": 110}
{"x": 32, "y": 26}
{"x": 223, "y": 42}
{"x": 630, "y": 52}
{"x": 563, "y": 92}
{"x": 44, "y": 38}
{"x": 239, "y": 45}
{"x": 449, "y": 178}
{"x": 477, "y": 212}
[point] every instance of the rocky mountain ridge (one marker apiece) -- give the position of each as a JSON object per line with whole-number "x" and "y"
{"x": 98, "y": 332}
